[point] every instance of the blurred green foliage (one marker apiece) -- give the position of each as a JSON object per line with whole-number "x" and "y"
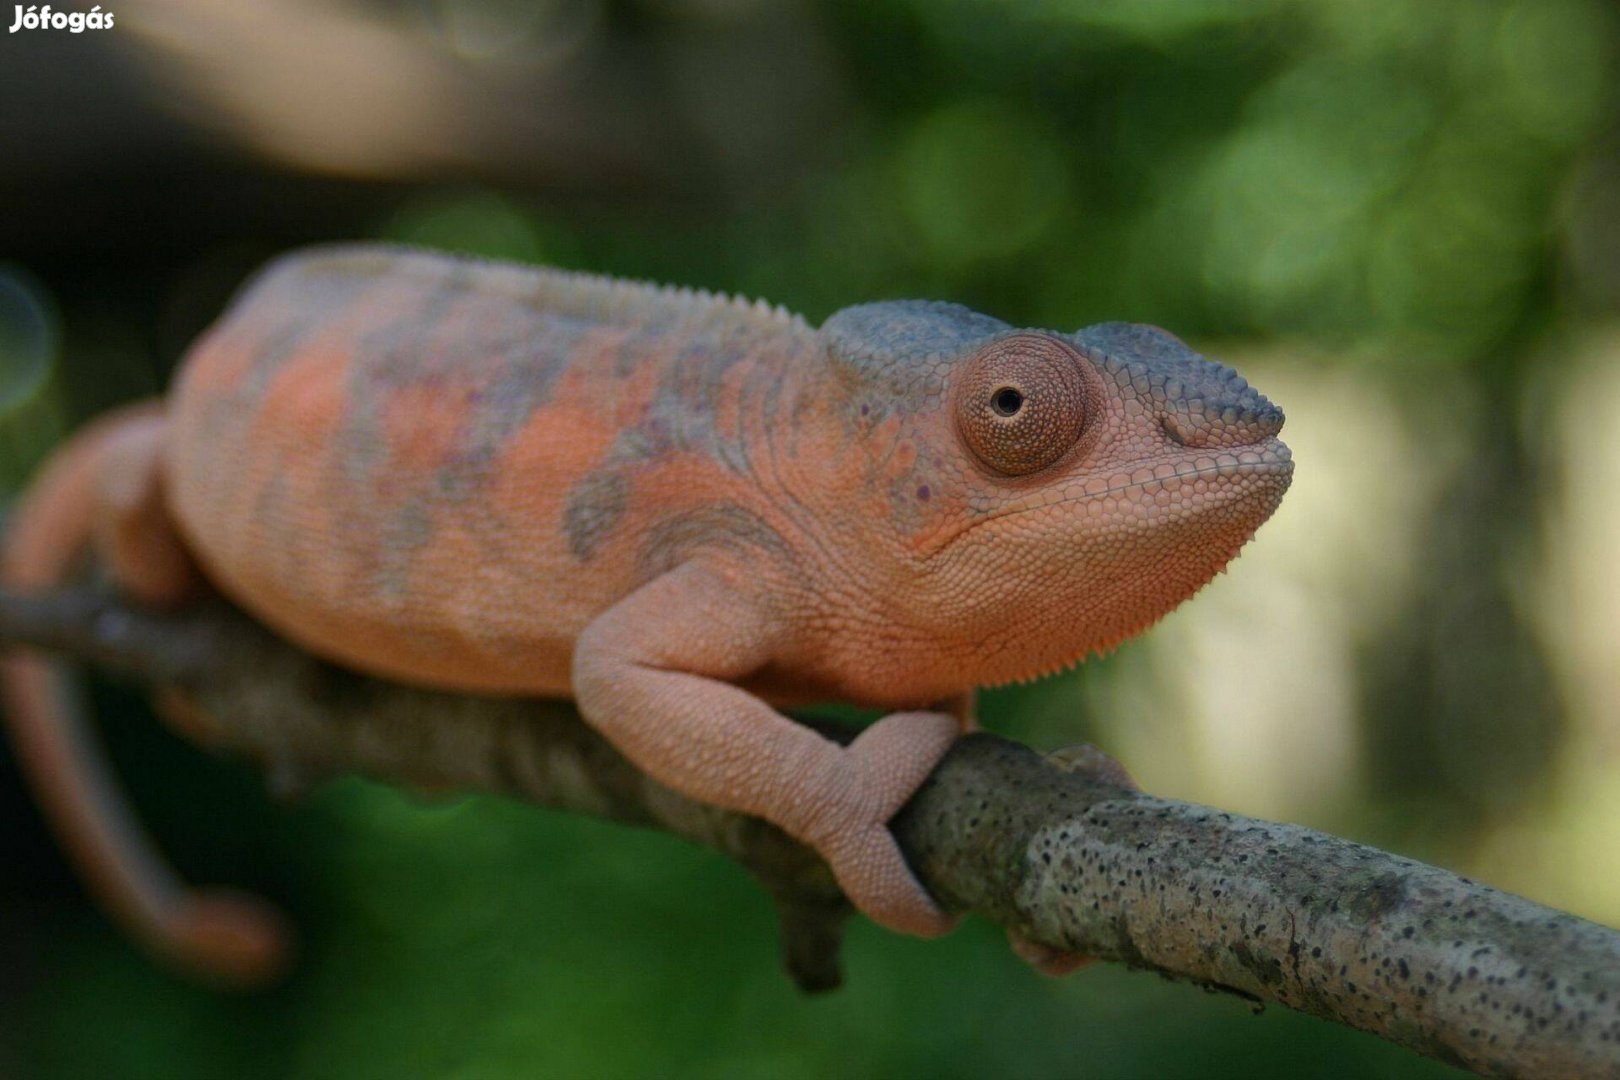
{"x": 1373, "y": 178}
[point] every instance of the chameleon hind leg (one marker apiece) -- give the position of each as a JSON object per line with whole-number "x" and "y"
{"x": 104, "y": 490}
{"x": 136, "y": 538}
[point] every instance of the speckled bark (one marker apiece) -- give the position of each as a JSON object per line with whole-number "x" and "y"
{"x": 1451, "y": 968}
{"x": 1443, "y": 965}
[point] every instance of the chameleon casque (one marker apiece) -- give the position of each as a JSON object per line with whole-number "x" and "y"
{"x": 684, "y": 511}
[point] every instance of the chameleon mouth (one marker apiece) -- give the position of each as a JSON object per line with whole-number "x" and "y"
{"x": 1268, "y": 458}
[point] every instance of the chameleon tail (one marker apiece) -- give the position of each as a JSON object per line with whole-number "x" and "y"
{"x": 219, "y": 935}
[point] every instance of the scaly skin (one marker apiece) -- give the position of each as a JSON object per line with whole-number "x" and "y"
{"x": 686, "y": 512}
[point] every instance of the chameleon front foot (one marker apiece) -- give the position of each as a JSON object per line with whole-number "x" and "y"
{"x": 884, "y": 766}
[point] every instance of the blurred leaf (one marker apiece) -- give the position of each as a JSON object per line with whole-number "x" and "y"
{"x": 980, "y": 181}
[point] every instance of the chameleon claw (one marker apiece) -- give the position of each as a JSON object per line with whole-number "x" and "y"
{"x": 874, "y": 875}
{"x": 1044, "y": 958}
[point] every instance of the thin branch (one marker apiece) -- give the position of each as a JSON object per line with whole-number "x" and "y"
{"x": 1062, "y": 855}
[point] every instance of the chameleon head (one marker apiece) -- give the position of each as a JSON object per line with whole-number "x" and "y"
{"x": 1049, "y": 495}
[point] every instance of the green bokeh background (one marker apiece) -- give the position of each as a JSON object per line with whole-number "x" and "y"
{"x": 1418, "y": 194}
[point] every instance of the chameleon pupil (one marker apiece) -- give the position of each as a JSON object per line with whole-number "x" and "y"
{"x": 1007, "y": 401}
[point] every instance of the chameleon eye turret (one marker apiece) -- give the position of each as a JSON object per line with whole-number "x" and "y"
{"x": 1021, "y": 403}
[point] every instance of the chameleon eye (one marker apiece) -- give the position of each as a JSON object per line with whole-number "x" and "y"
{"x": 1020, "y": 403}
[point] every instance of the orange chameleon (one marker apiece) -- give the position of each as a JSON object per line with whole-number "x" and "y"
{"x": 682, "y": 510}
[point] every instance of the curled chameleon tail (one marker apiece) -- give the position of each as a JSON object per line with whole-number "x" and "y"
{"x": 216, "y": 934}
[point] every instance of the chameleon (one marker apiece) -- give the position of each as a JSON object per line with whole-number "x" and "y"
{"x": 685, "y": 511}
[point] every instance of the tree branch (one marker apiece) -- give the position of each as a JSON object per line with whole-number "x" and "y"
{"x": 1058, "y": 853}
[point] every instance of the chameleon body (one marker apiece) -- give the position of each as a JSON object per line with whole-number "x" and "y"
{"x": 685, "y": 511}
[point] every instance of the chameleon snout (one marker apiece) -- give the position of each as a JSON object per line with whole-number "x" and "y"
{"x": 1234, "y": 415}
{"x": 1199, "y": 402}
